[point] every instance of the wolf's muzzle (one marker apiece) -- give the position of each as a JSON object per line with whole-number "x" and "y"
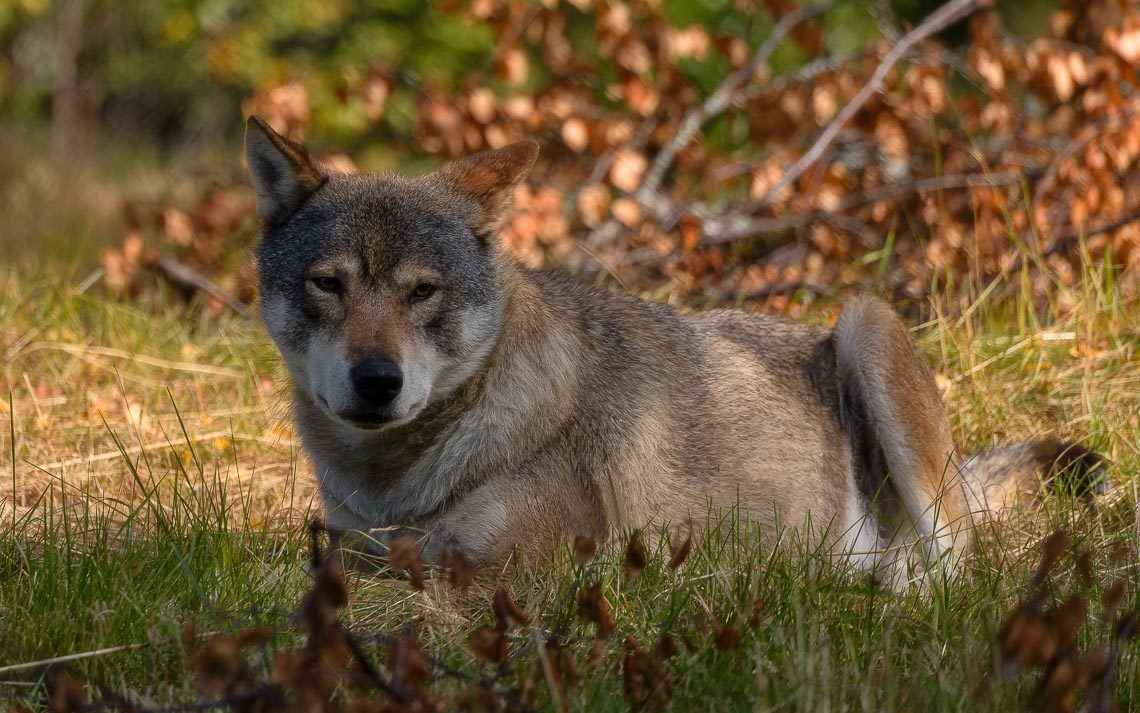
{"x": 377, "y": 380}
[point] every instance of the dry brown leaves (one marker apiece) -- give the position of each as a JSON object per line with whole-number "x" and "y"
{"x": 646, "y": 677}
{"x": 1005, "y": 176}
{"x": 331, "y": 671}
{"x": 404, "y": 556}
{"x": 593, "y": 607}
{"x": 636, "y": 557}
{"x": 1038, "y": 636}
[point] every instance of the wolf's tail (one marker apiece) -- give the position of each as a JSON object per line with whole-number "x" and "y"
{"x": 1006, "y": 476}
{"x": 894, "y": 417}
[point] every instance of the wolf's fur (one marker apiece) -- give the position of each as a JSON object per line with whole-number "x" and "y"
{"x": 533, "y": 408}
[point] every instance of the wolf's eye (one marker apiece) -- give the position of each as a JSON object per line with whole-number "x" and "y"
{"x": 423, "y": 291}
{"x": 328, "y": 283}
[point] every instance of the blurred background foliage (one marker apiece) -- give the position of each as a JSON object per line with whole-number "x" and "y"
{"x": 121, "y": 123}
{"x": 175, "y": 71}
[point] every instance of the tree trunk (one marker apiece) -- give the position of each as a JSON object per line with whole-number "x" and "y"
{"x": 65, "y": 103}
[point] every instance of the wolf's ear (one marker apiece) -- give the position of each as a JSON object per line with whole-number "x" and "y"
{"x": 282, "y": 172}
{"x": 488, "y": 180}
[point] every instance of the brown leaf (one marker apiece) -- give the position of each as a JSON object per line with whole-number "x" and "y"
{"x": 189, "y": 637}
{"x": 575, "y": 134}
{"x": 65, "y": 692}
{"x": 1067, "y": 619}
{"x": 1051, "y": 551}
{"x": 592, "y": 202}
{"x": 754, "y": 617}
{"x": 1113, "y": 598}
{"x": 407, "y": 664}
{"x": 626, "y": 211}
{"x": 646, "y": 679}
{"x": 726, "y": 638}
{"x": 481, "y": 104}
{"x": 690, "y": 226}
{"x": 585, "y": 549}
{"x": 1125, "y": 40}
{"x": 287, "y": 667}
{"x": 514, "y": 66}
{"x": 1092, "y": 663}
{"x": 1126, "y": 628}
{"x": 489, "y": 644}
{"x": 679, "y": 551}
{"x": 329, "y": 590}
{"x": 254, "y": 636}
{"x": 218, "y": 666}
{"x": 178, "y": 227}
{"x": 635, "y": 674}
{"x": 404, "y": 556}
{"x": 561, "y": 674}
{"x": 460, "y": 571}
{"x": 627, "y": 169}
{"x": 1085, "y": 568}
{"x": 635, "y": 557}
{"x": 505, "y": 609}
{"x": 597, "y": 653}
{"x": 594, "y": 607}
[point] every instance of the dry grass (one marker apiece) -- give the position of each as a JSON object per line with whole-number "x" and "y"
{"x": 154, "y": 479}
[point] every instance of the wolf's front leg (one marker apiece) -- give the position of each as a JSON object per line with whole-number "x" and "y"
{"x": 532, "y": 511}
{"x": 473, "y": 525}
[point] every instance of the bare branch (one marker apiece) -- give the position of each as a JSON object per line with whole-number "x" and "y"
{"x": 719, "y": 229}
{"x": 184, "y": 276}
{"x": 939, "y": 20}
{"x": 718, "y": 101}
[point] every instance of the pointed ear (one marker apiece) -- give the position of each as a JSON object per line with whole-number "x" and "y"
{"x": 282, "y": 172}
{"x": 488, "y": 180}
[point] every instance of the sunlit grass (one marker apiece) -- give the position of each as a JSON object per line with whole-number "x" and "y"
{"x": 153, "y": 479}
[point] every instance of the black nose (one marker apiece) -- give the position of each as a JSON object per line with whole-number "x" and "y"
{"x": 377, "y": 380}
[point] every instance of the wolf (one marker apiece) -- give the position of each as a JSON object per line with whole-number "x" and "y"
{"x": 441, "y": 388}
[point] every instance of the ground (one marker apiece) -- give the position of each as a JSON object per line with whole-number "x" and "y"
{"x": 155, "y": 480}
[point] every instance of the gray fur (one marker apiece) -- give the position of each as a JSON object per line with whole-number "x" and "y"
{"x": 546, "y": 409}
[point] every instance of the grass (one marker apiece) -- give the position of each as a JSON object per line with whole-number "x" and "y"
{"x": 154, "y": 480}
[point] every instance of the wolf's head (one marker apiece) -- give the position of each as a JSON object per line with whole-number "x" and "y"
{"x": 382, "y": 293}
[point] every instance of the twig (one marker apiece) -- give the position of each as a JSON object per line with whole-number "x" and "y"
{"x": 718, "y": 101}
{"x": 934, "y": 183}
{"x": 806, "y": 73}
{"x": 727, "y": 228}
{"x": 639, "y": 138}
{"x": 370, "y": 671}
{"x": 85, "y": 350}
{"x": 55, "y": 660}
{"x": 1065, "y": 240}
{"x": 119, "y": 702}
{"x": 722, "y": 229}
{"x": 786, "y": 288}
{"x": 939, "y": 20}
{"x": 724, "y": 96}
{"x": 1089, "y": 134}
{"x": 184, "y": 276}
{"x": 556, "y": 693}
